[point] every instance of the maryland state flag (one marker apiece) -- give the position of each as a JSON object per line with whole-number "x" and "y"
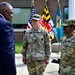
{"x": 47, "y": 22}
{"x": 58, "y": 28}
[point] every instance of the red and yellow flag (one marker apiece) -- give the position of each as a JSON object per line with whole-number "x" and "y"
{"x": 47, "y": 22}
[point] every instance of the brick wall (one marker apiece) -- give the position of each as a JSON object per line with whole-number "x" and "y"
{"x": 39, "y": 5}
{"x": 52, "y": 6}
{"x": 5, "y": 0}
{"x": 19, "y": 34}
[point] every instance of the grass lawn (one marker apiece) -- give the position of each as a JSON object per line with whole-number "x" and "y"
{"x": 18, "y": 47}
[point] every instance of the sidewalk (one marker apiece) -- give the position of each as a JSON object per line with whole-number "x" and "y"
{"x": 51, "y": 69}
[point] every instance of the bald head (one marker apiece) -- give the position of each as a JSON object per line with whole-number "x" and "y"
{"x": 4, "y": 5}
{"x": 6, "y": 9}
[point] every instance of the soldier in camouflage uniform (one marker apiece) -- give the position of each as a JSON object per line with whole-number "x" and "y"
{"x": 36, "y": 48}
{"x": 67, "y": 64}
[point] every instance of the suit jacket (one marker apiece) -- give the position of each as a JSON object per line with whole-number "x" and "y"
{"x": 7, "y": 48}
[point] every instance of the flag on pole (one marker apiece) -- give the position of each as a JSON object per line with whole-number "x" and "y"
{"x": 33, "y": 11}
{"x": 47, "y": 22}
{"x": 58, "y": 28}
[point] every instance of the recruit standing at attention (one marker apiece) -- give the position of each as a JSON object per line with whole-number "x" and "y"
{"x": 36, "y": 48}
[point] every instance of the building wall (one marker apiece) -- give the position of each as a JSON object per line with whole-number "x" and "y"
{"x": 19, "y": 36}
{"x": 5, "y": 0}
{"x": 52, "y": 6}
{"x": 39, "y": 6}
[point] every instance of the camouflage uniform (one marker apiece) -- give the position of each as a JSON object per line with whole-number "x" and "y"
{"x": 36, "y": 50}
{"x": 68, "y": 56}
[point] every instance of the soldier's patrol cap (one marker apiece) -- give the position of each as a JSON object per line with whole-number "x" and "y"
{"x": 69, "y": 22}
{"x": 36, "y": 17}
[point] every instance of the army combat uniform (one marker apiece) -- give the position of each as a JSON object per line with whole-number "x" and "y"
{"x": 67, "y": 66}
{"x": 36, "y": 50}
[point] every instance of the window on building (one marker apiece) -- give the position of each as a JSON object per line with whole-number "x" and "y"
{"x": 65, "y": 12}
{"x": 20, "y": 17}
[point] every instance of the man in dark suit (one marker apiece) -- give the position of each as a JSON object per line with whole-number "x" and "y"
{"x": 7, "y": 41}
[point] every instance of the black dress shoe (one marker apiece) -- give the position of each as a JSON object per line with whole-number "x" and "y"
{"x": 56, "y": 61}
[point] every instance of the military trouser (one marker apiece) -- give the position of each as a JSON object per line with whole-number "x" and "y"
{"x": 35, "y": 67}
{"x": 66, "y": 74}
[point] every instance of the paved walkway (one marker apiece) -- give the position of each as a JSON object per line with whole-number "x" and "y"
{"x": 51, "y": 68}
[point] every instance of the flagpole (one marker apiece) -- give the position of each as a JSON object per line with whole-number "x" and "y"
{"x": 46, "y": 1}
{"x": 58, "y": 1}
{"x": 32, "y": 2}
